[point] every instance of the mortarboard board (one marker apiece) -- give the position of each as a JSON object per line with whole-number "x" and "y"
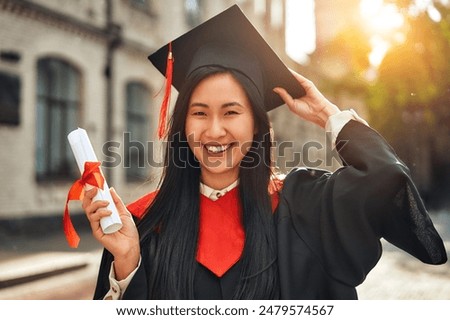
{"x": 231, "y": 41}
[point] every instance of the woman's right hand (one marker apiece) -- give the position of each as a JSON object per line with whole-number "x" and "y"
{"x": 313, "y": 107}
{"x": 123, "y": 244}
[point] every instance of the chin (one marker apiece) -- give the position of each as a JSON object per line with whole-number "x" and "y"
{"x": 222, "y": 171}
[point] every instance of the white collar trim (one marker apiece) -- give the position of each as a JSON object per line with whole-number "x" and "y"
{"x": 214, "y": 194}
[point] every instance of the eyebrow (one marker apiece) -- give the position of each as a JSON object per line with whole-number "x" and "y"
{"x": 225, "y": 105}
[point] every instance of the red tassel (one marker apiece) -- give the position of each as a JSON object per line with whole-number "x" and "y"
{"x": 162, "y": 126}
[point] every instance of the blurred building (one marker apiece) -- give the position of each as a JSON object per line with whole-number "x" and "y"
{"x": 310, "y": 144}
{"x": 69, "y": 64}
{"x": 66, "y": 64}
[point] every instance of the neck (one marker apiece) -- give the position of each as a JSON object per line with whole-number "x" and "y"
{"x": 218, "y": 181}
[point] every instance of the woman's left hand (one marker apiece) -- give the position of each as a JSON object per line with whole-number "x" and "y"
{"x": 313, "y": 107}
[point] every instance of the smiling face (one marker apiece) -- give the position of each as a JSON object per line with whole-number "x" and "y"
{"x": 219, "y": 128}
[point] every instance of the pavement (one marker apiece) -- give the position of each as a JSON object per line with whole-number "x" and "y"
{"x": 42, "y": 266}
{"x": 399, "y": 276}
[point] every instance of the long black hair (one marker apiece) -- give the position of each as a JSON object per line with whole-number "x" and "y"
{"x": 174, "y": 213}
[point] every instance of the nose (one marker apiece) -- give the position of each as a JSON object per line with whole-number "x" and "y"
{"x": 216, "y": 128}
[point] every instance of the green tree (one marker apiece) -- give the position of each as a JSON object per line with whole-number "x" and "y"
{"x": 410, "y": 100}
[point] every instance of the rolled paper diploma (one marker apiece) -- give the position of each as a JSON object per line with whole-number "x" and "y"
{"x": 83, "y": 151}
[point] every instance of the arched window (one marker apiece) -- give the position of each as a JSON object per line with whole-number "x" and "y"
{"x": 137, "y": 131}
{"x": 58, "y": 104}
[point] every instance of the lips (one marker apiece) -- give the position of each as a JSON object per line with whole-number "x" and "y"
{"x": 217, "y": 149}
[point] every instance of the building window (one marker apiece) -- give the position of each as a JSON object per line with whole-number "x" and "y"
{"x": 193, "y": 14}
{"x": 259, "y": 7}
{"x": 145, "y": 6}
{"x": 276, "y": 14}
{"x": 137, "y": 133}
{"x": 58, "y": 105}
{"x": 9, "y": 99}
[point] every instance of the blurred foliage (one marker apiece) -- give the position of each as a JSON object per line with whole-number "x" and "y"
{"x": 408, "y": 95}
{"x": 352, "y": 46}
{"x": 413, "y": 83}
{"x": 409, "y": 102}
{"x": 346, "y": 58}
{"x": 413, "y": 79}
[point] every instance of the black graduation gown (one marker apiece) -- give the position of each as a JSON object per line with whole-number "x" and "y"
{"x": 329, "y": 226}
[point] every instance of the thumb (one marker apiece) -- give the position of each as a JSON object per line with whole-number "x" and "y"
{"x": 117, "y": 200}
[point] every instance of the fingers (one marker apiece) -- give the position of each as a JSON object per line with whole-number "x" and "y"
{"x": 88, "y": 196}
{"x": 95, "y": 209}
{"x": 284, "y": 95}
{"x": 94, "y": 213}
{"x": 97, "y": 215}
{"x": 313, "y": 107}
{"x": 96, "y": 205}
{"x": 305, "y": 82}
{"x": 117, "y": 201}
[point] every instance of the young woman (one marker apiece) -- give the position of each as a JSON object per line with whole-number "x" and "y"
{"x": 222, "y": 226}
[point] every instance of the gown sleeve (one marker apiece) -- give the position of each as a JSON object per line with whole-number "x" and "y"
{"x": 138, "y": 288}
{"x": 341, "y": 216}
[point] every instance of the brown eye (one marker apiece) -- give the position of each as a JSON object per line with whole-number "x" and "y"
{"x": 231, "y": 112}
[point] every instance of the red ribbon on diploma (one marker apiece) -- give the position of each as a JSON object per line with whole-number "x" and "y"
{"x": 91, "y": 175}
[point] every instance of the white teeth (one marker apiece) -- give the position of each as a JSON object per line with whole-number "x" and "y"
{"x": 216, "y": 149}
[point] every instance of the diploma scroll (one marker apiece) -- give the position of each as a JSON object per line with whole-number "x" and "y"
{"x": 83, "y": 152}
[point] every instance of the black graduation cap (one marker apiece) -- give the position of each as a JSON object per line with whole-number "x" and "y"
{"x": 231, "y": 41}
